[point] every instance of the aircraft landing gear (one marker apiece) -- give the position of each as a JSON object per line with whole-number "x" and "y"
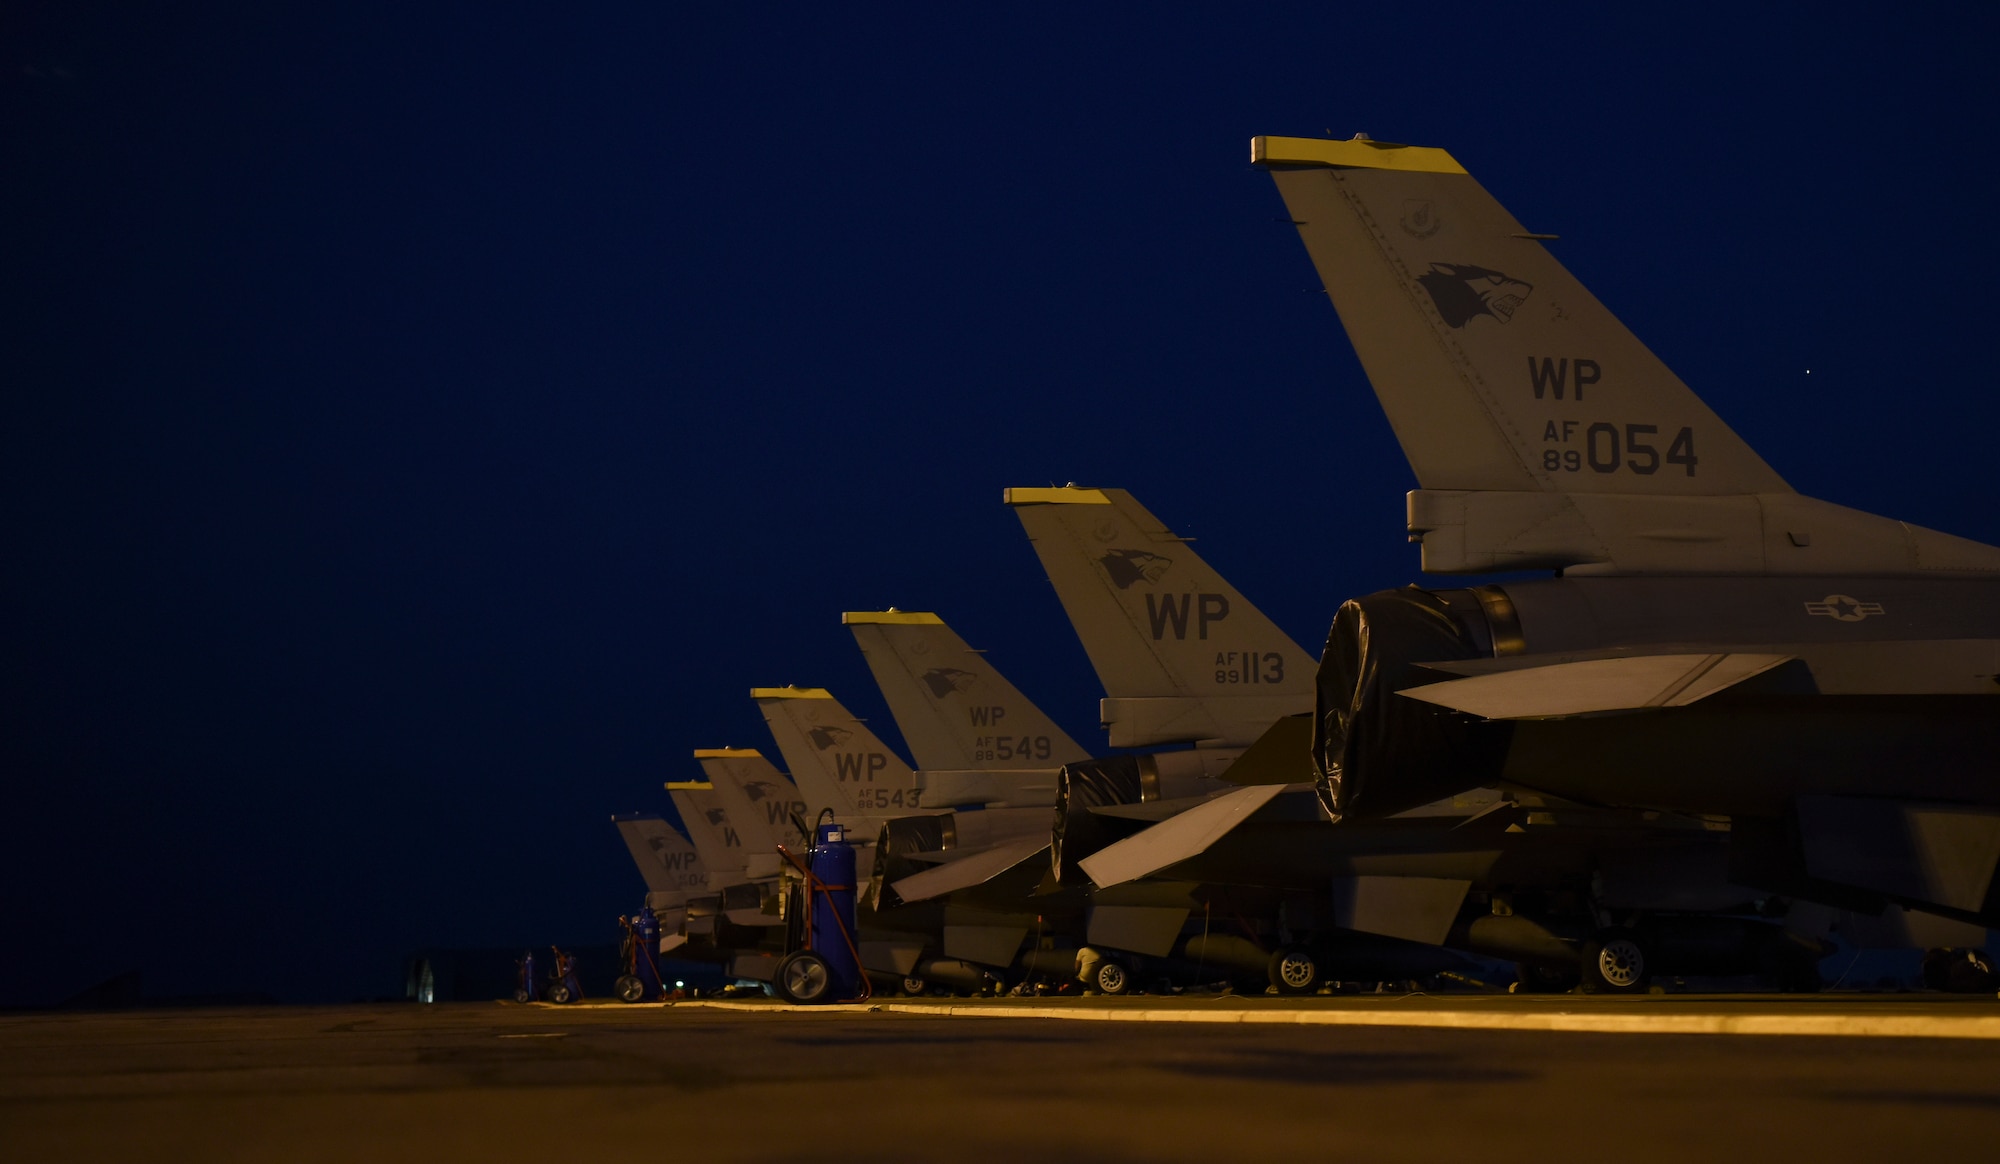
{"x": 1614, "y": 962}
{"x": 1959, "y": 971}
{"x": 1110, "y": 978}
{"x": 1294, "y": 971}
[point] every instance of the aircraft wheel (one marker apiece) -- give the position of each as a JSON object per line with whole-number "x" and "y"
{"x": 1972, "y": 973}
{"x": 804, "y": 978}
{"x": 1958, "y": 971}
{"x": 914, "y": 985}
{"x": 1792, "y": 969}
{"x": 630, "y": 988}
{"x": 559, "y": 992}
{"x": 1293, "y": 971}
{"x": 1111, "y": 978}
{"x": 1614, "y": 962}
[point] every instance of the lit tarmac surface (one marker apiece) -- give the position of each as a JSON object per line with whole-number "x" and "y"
{"x": 1852, "y": 1016}
{"x": 505, "y": 1082}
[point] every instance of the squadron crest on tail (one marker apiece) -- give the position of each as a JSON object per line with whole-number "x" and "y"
{"x": 1128, "y": 566}
{"x": 826, "y": 737}
{"x": 1462, "y": 291}
{"x": 944, "y": 681}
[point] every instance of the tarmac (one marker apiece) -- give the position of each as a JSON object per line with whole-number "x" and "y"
{"x": 1371, "y": 1078}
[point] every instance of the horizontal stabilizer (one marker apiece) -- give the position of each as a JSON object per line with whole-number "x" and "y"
{"x": 1595, "y": 686}
{"x": 1177, "y": 839}
{"x": 1151, "y": 811}
{"x": 1282, "y": 755}
{"x": 967, "y": 872}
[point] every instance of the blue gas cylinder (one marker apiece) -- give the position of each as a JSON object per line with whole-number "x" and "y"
{"x": 527, "y": 989}
{"x": 646, "y": 932}
{"x": 833, "y": 907}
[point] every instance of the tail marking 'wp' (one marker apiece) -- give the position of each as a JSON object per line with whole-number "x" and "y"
{"x": 1164, "y": 613}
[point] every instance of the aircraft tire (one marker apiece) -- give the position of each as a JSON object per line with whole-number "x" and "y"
{"x": 1293, "y": 970}
{"x": 1616, "y": 962}
{"x": 559, "y": 992}
{"x": 803, "y": 978}
{"x": 1111, "y": 977}
{"x": 914, "y": 985}
{"x": 1959, "y": 971}
{"x": 629, "y": 988}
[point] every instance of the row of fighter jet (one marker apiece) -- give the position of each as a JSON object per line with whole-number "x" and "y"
{"x": 1720, "y": 725}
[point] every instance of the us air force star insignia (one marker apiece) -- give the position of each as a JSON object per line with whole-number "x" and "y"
{"x": 1844, "y": 608}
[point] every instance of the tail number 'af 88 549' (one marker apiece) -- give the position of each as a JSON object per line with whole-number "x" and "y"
{"x": 1249, "y": 667}
{"x": 1603, "y": 447}
{"x": 992, "y": 748}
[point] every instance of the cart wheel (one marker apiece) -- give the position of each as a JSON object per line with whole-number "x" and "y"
{"x": 630, "y": 988}
{"x": 521, "y": 995}
{"x": 1111, "y": 978}
{"x": 559, "y": 992}
{"x": 914, "y": 985}
{"x": 1293, "y": 971}
{"x": 804, "y": 978}
{"x": 1615, "y": 963}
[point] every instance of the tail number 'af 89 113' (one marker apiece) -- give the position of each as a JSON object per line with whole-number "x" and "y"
{"x": 1249, "y": 667}
{"x": 1603, "y": 447}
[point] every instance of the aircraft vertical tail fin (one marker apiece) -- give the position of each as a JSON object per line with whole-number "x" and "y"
{"x": 1543, "y": 433}
{"x": 1497, "y": 368}
{"x": 761, "y": 799}
{"x": 666, "y": 859}
{"x": 715, "y": 837}
{"x": 954, "y": 707}
{"x": 1182, "y": 655}
{"x": 837, "y": 761}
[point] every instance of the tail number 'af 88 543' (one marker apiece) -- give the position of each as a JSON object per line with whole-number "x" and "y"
{"x": 1603, "y": 447}
{"x": 1249, "y": 667}
{"x": 867, "y": 799}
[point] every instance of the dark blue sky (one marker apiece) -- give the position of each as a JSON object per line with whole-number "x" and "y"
{"x": 423, "y": 427}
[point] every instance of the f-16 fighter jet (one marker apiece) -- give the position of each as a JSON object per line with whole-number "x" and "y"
{"x": 1816, "y": 680}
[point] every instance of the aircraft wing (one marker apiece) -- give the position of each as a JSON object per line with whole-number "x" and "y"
{"x": 976, "y": 869}
{"x": 1175, "y": 840}
{"x": 1596, "y": 686}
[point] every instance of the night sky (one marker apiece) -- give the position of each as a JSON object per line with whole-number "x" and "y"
{"x": 424, "y": 425}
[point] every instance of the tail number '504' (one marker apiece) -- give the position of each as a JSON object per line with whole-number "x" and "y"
{"x": 1606, "y": 448}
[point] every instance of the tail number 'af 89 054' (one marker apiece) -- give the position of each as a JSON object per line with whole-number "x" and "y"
{"x": 1603, "y": 447}
{"x": 1249, "y": 667}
